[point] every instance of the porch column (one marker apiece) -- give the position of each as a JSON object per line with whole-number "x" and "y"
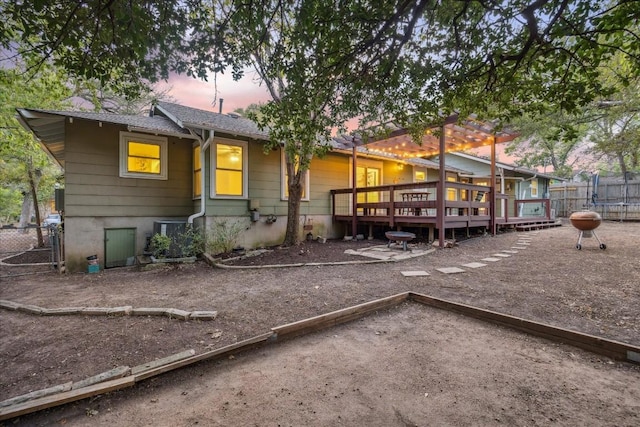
{"x": 492, "y": 200}
{"x": 354, "y": 196}
{"x": 440, "y": 190}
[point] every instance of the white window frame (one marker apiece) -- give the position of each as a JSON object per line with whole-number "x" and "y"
{"x": 213, "y": 150}
{"x": 283, "y": 180}
{"x": 367, "y": 163}
{"x": 534, "y": 187}
{"x": 126, "y": 137}
{"x": 416, "y": 171}
{"x": 193, "y": 171}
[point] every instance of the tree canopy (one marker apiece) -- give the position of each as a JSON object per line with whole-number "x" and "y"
{"x": 26, "y": 173}
{"x": 327, "y": 62}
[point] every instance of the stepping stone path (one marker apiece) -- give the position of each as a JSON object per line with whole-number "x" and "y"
{"x": 414, "y": 273}
{"x": 450, "y": 270}
{"x": 522, "y": 243}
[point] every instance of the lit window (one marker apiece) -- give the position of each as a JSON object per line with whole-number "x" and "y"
{"x": 452, "y": 193}
{"x": 534, "y": 188}
{"x": 197, "y": 172}
{"x": 229, "y": 160}
{"x": 420, "y": 176}
{"x": 143, "y": 156}
{"x": 285, "y": 181}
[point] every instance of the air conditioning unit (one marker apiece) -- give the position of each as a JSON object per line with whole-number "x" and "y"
{"x": 173, "y": 229}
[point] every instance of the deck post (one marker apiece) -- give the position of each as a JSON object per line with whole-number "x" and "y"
{"x": 354, "y": 195}
{"x": 492, "y": 199}
{"x": 440, "y": 190}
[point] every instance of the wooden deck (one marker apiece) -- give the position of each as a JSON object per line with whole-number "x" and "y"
{"x": 416, "y": 205}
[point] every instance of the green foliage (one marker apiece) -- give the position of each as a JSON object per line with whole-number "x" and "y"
{"x": 325, "y": 63}
{"x": 21, "y": 155}
{"x": 222, "y": 236}
{"x": 553, "y": 141}
{"x": 10, "y": 200}
{"x": 191, "y": 242}
{"x": 160, "y": 244}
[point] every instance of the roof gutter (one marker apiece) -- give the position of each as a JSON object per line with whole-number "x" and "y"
{"x": 203, "y": 147}
{"x": 161, "y": 132}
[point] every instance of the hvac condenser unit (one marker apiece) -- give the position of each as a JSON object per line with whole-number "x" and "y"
{"x": 175, "y": 230}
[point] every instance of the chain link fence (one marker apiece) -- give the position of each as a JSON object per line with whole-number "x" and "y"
{"x": 21, "y": 253}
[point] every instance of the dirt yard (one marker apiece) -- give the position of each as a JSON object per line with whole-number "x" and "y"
{"x": 591, "y": 291}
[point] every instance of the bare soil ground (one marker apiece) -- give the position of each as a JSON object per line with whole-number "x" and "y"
{"x": 591, "y": 291}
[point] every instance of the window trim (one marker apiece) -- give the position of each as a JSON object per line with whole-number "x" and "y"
{"x": 534, "y": 187}
{"x": 195, "y": 181}
{"x": 283, "y": 180}
{"x": 213, "y": 150}
{"x": 161, "y": 141}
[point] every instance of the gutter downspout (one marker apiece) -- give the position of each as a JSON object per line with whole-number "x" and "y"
{"x": 203, "y": 147}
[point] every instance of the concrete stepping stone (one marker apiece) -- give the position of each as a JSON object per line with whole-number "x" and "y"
{"x": 490, "y": 259}
{"x": 414, "y": 273}
{"x": 501, "y": 255}
{"x": 474, "y": 265}
{"x": 509, "y": 251}
{"x": 450, "y": 270}
{"x": 519, "y": 247}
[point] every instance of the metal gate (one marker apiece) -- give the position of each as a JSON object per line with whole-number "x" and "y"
{"x": 119, "y": 247}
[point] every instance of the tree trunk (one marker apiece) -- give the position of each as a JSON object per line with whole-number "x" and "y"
{"x": 622, "y": 163}
{"x": 291, "y": 237}
{"x": 25, "y": 213}
{"x": 34, "y": 197}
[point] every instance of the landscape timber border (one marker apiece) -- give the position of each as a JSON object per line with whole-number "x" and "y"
{"x": 609, "y": 348}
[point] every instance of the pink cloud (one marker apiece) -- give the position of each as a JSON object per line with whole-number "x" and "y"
{"x": 206, "y": 96}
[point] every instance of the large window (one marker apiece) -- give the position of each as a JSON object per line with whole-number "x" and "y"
{"x": 229, "y": 162}
{"x": 197, "y": 172}
{"x": 285, "y": 180}
{"x": 143, "y": 156}
{"x": 452, "y": 193}
{"x": 534, "y": 187}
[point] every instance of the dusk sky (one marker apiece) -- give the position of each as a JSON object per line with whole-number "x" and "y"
{"x": 239, "y": 94}
{"x": 206, "y": 96}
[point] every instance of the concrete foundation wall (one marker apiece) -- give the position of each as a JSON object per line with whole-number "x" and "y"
{"x": 263, "y": 233}
{"x": 85, "y": 237}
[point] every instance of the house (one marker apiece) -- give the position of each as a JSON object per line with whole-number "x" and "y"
{"x": 515, "y": 182}
{"x": 127, "y": 177}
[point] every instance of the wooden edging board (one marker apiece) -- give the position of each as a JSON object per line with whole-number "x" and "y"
{"x": 327, "y": 320}
{"x": 610, "y": 348}
{"x": 65, "y": 397}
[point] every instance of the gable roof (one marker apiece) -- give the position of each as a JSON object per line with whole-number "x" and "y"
{"x": 506, "y": 166}
{"x": 48, "y": 126}
{"x": 188, "y": 117}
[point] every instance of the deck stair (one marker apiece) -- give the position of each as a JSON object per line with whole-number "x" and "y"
{"x": 537, "y": 225}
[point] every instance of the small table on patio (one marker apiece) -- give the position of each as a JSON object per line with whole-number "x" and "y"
{"x": 415, "y": 196}
{"x": 399, "y": 236}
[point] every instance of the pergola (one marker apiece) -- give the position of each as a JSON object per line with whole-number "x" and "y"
{"x": 450, "y": 135}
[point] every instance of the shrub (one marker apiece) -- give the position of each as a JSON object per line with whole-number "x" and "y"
{"x": 160, "y": 244}
{"x": 223, "y": 235}
{"x": 191, "y": 242}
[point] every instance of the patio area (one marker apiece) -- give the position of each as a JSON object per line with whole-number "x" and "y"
{"x": 415, "y": 205}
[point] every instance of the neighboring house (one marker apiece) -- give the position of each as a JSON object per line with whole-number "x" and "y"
{"x": 124, "y": 175}
{"x": 514, "y": 181}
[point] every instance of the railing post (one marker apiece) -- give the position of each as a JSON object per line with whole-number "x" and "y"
{"x": 392, "y": 209}
{"x": 548, "y": 208}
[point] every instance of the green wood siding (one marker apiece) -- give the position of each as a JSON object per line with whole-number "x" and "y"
{"x": 93, "y": 187}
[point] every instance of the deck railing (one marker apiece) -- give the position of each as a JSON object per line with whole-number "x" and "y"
{"x": 466, "y": 205}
